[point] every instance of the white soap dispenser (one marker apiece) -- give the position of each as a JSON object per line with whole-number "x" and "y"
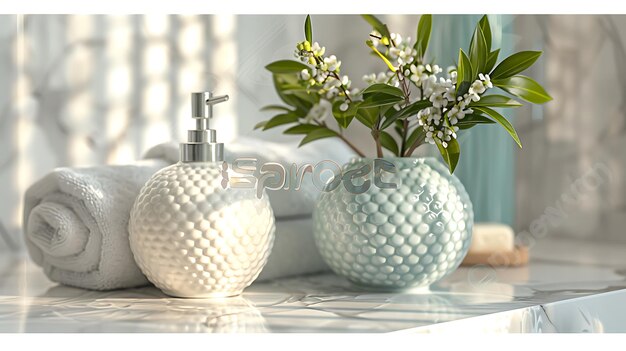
{"x": 192, "y": 237}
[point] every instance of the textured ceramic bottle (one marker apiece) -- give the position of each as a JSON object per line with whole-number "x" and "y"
{"x": 191, "y": 235}
{"x": 399, "y": 238}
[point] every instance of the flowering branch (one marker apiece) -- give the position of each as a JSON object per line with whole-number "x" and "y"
{"x": 409, "y": 90}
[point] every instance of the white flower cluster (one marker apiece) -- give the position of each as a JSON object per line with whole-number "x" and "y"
{"x": 324, "y": 75}
{"x": 424, "y": 73}
{"x": 319, "y": 111}
{"x": 307, "y": 52}
{"x": 440, "y": 121}
{"x": 401, "y": 52}
{"x": 386, "y": 77}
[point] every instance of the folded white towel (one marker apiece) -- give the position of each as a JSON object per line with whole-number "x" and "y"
{"x": 294, "y": 251}
{"x": 75, "y": 224}
{"x": 286, "y": 204}
{"x": 75, "y": 219}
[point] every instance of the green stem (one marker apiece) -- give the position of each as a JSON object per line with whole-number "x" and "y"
{"x": 352, "y": 146}
{"x": 407, "y": 92}
{"x": 405, "y": 132}
{"x": 379, "y": 147}
{"x": 346, "y": 141}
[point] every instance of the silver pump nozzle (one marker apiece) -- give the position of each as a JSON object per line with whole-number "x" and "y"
{"x": 202, "y": 145}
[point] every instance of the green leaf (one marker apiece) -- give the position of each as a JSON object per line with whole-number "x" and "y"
{"x": 279, "y": 84}
{"x": 382, "y": 57}
{"x": 386, "y": 111}
{"x": 275, "y": 108}
{"x": 379, "y": 100}
{"x": 423, "y": 34}
{"x": 377, "y": 25}
{"x": 382, "y": 88}
{"x": 463, "y": 88}
{"x": 281, "y": 119}
{"x": 296, "y": 90}
{"x": 388, "y": 142}
{"x": 308, "y": 32}
{"x": 283, "y": 82}
{"x": 523, "y": 87}
{"x": 302, "y": 129}
{"x": 259, "y": 125}
{"x": 345, "y": 117}
{"x": 502, "y": 121}
{"x": 515, "y": 64}
{"x": 450, "y": 154}
{"x": 472, "y": 120}
{"x": 304, "y": 95}
{"x": 406, "y": 112}
{"x": 399, "y": 127}
{"x": 486, "y": 28}
{"x": 492, "y": 58}
{"x": 464, "y": 69}
{"x": 367, "y": 116}
{"x": 478, "y": 52}
{"x": 318, "y": 134}
{"x": 495, "y": 101}
{"x": 286, "y": 66}
{"x": 417, "y": 135}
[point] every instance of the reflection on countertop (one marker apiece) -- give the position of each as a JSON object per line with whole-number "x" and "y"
{"x": 567, "y": 287}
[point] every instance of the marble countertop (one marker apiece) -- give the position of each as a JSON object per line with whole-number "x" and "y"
{"x": 570, "y": 286}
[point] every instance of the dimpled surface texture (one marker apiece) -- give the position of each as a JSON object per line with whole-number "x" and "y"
{"x": 396, "y": 238}
{"x": 192, "y": 238}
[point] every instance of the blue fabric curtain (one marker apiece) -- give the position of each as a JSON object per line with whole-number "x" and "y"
{"x": 486, "y": 167}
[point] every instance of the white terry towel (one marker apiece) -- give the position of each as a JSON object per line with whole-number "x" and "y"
{"x": 75, "y": 224}
{"x": 294, "y": 251}
{"x": 286, "y": 204}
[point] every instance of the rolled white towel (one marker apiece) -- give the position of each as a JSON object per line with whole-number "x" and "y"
{"x": 75, "y": 224}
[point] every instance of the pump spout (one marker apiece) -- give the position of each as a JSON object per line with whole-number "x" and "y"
{"x": 202, "y": 145}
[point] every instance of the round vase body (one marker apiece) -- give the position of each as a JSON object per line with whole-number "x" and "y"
{"x": 400, "y": 238}
{"x": 192, "y": 238}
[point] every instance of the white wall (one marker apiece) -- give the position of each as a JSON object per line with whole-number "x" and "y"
{"x": 574, "y": 153}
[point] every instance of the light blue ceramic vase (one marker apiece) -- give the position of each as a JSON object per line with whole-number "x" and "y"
{"x": 400, "y": 238}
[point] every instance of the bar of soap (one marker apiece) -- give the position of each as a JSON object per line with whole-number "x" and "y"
{"x": 492, "y": 237}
